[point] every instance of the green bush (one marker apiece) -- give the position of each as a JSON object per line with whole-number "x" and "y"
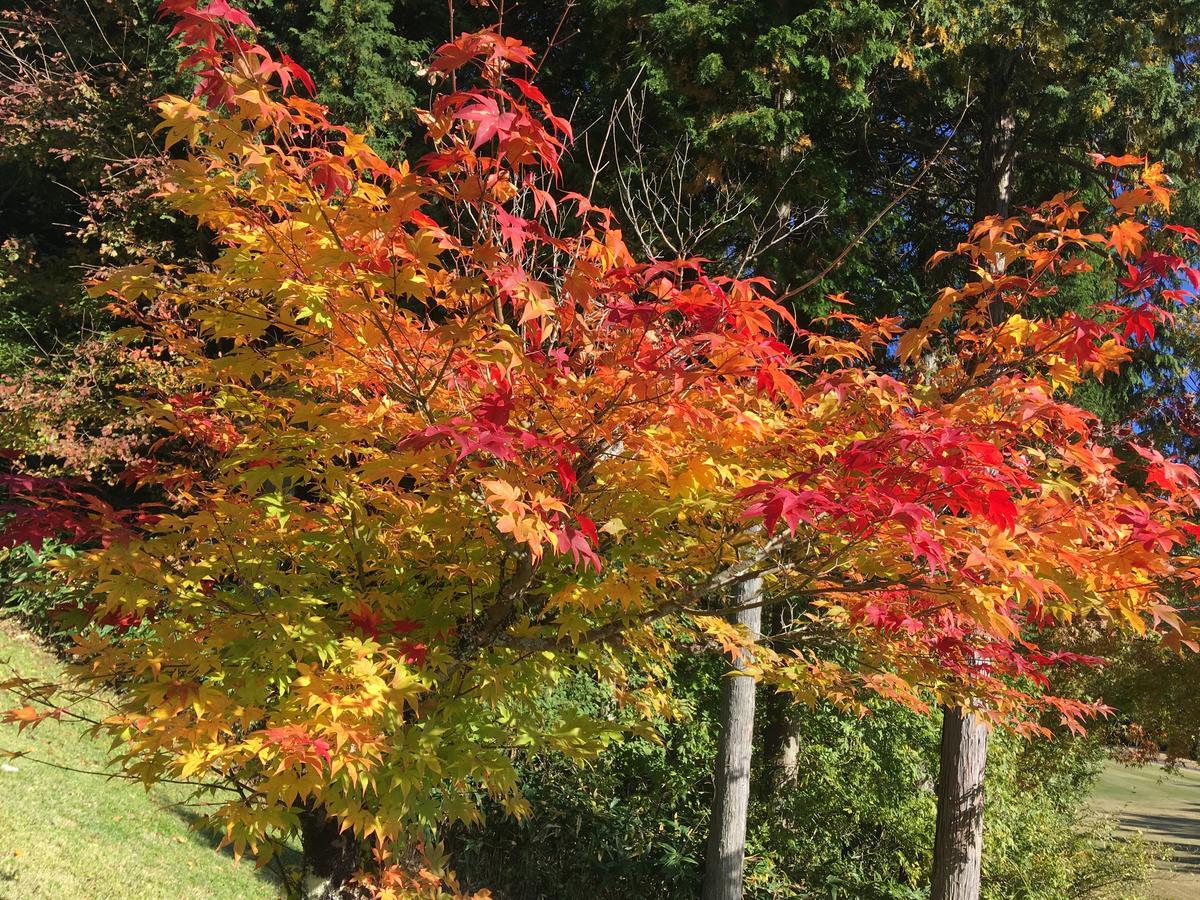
{"x": 857, "y": 822}
{"x": 46, "y": 604}
{"x": 1041, "y": 842}
{"x": 631, "y": 824}
{"x": 32, "y": 593}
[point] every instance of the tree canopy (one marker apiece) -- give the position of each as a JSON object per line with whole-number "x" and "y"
{"x": 437, "y": 438}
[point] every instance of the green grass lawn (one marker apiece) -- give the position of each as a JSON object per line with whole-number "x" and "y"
{"x": 1165, "y": 807}
{"x": 71, "y": 835}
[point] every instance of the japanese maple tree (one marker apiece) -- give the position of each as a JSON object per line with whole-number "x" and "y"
{"x": 445, "y": 441}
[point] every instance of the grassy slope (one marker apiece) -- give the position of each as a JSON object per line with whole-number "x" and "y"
{"x": 1165, "y": 808}
{"x": 67, "y": 834}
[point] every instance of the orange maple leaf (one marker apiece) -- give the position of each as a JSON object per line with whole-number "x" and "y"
{"x": 25, "y": 717}
{"x": 1128, "y": 159}
{"x": 1127, "y": 237}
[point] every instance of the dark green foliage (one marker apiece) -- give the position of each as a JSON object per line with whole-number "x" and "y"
{"x": 796, "y": 108}
{"x": 858, "y": 819}
{"x": 43, "y": 603}
{"x": 1152, "y": 689}
{"x": 633, "y": 824}
{"x": 858, "y": 822}
{"x": 1041, "y": 841}
{"x": 841, "y": 105}
{"x": 365, "y": 56}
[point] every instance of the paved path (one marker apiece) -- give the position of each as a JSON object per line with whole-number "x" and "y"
{"x": 1165, "y": 807}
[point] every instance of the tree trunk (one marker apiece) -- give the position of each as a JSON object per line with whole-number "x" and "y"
{"x": 780, "y": 744}
{"x": 731, "y": 796}
{"x": 781, "y": 724}
{"x": 958, "y": 838}
{"x": 331, "y": 859}
{"x": 993, "y": 189}
{"x": 958, "y": 841}
{"x": 997, "y": 150}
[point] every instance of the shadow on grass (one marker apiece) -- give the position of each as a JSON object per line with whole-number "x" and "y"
{"x": 1181, "y": 831}
{"x": 207, "y": 837}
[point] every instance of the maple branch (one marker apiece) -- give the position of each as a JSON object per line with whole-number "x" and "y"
{"x": 119, "y": 775}
{"x": 554, "y": 43}
{"x": 1083, "y": 168}
{"x": 665, "y": 207}
{"x": 741, "y": 571}
{"x": 510, "y": 589}
{"x": 850, "y": 588}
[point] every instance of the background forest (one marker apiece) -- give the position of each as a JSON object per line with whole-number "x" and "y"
{"x": 831, "y": 147}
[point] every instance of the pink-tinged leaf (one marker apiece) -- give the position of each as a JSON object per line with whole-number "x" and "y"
{"x": 490, "y": 121}
{"x": 574, "y": 541}
{"x": 1165, "y": 473}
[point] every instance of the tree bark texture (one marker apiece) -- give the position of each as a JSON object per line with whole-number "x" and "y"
{"x": 780, "y": 744}
{"x": 731, "y": 796}
{"x": 997, "y": 153}
{"x": 958, "y": 841}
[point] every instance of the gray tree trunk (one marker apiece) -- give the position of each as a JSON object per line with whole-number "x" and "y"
{"x": 958, "y": 841}
{"x": 781, "y": 724}
{"x": 787, "y": 760}
{"x": 780, "y": 745}
{"x": 731, "y": 796}
{"x": 997, "y": 152}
